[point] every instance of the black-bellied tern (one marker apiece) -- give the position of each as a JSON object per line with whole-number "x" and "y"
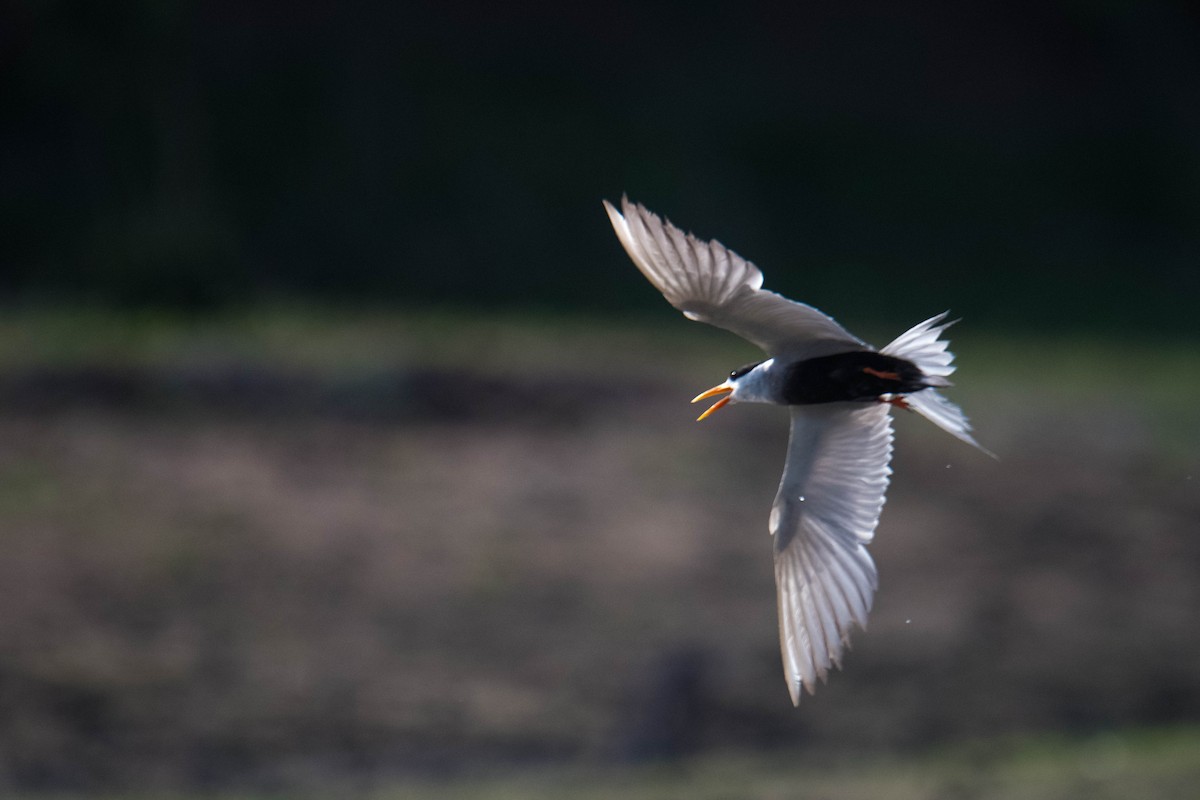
{"x": 840, "y": 392}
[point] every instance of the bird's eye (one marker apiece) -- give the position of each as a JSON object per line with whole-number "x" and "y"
{"x": 740, "y": 371}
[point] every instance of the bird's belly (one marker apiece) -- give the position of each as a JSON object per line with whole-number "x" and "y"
{"x": 859, "y": 375}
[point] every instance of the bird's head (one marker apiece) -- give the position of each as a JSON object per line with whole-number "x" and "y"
{"x": 748, "y": 384}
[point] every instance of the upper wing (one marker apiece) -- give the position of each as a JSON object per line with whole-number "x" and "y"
{"x": 825, "y": 513}
{"x": 712, "y": 284}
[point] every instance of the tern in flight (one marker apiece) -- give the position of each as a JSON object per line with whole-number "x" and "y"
{"x": 840, "y": 392}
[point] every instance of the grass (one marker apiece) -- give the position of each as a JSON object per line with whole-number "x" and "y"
{"x": 1159, "y": 378}
{"x": 1156, "y": 763}
{"x": 331, "y": 338}
{"x": 1159, "y": 764}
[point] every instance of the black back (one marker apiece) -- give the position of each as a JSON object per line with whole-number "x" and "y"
{"x": 860, "y": 375}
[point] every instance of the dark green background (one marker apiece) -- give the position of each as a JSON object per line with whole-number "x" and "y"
{"x": 1029, "y": 164}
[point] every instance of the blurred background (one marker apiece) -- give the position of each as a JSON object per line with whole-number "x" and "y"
{"x": 342, "y": 446}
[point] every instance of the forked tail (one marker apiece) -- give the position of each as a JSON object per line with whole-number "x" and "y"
{"x": 922, "y": 344}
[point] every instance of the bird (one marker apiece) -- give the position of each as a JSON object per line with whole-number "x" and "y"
{"x": 840, "y": 392}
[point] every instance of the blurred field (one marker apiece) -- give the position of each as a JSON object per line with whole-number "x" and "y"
{"x": 298, "y": 549}
{"x": 1159, "y": 765}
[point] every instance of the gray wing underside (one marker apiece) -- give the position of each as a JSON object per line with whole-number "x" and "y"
{"x": 710, "y": 283}
{"x": 825, "y": 513}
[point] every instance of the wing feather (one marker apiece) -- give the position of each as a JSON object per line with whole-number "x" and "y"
{"x": 710, "y": 283}
{"x": 825, "y": 513}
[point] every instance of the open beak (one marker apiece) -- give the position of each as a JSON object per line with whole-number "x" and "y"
{"x": 713, "y": 392}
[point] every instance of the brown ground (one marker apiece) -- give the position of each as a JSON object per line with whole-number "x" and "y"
{"x": 237, "y": 576}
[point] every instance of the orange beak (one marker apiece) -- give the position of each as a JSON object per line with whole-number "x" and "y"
{"x": 713, "y": 392}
